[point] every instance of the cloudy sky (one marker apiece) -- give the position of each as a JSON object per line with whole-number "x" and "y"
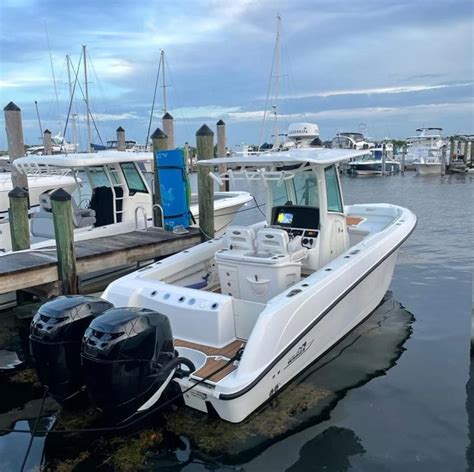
{"x": 388, "y": 65}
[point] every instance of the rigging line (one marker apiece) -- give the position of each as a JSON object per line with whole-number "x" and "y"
{"x": 153, "y": 102}
{"x": 87, "y": 107}
{"x": 71, "y": 100}
{"x": 54, "y": 77}
{"x": 39, "y": 120}
{"x": 262, "y": 128}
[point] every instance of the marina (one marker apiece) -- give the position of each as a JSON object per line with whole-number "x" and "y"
{"x": 252, "y": 278}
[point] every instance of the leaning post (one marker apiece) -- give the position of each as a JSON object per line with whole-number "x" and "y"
{"x": 19, "y": 224}
{"x": 16, "y": 146}
{"x": 221, "y": 152}
{"x": 61, "y": 207}
{"x": 205, "y": 151}
{"x": 160, "y": 143}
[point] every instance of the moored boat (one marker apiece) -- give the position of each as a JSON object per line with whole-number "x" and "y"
{"x": 231, "y": 321}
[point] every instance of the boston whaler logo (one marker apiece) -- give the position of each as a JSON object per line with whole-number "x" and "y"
{"x": 299, "y": 352}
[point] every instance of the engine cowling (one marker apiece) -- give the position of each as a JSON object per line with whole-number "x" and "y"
{"x": 128, "y": 358}
{"x": 56, "y": 333}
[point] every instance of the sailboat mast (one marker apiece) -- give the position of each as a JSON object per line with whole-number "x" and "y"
{"x": 89, "y": 135}
{"x": 74, "y": 136}
{"x": 164, "y": 80}
{"x": 276, "y": 141}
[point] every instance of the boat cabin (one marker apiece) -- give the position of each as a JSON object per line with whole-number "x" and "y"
{"x": 116, "y": 188}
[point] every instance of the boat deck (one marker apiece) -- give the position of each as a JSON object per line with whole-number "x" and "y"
{"x": 215, "y": 358}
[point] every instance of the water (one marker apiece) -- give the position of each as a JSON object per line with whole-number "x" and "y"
{"x": 391, "y": 397}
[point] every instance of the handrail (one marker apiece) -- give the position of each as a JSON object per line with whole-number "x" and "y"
{"x": 144, "y": 215}
{"x": 157, "y": 205}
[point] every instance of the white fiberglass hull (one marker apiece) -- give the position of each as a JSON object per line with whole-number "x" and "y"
{"x": 428, "y": 169}
{"x": 294, "y": 328}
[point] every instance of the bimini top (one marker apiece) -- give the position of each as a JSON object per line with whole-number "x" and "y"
{"x": 319, "y": 156}
{"x": 82, "y": 160}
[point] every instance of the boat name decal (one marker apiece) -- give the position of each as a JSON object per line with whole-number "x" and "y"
{"x": 299, "y": 352}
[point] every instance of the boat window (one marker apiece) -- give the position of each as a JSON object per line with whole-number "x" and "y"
{"x": 333, "y": 191}
{"x": 279, "y": 193}
{"x": 305, "y": 188}
{"x": 98, "y": 177}
{"x": 133, "y": 178}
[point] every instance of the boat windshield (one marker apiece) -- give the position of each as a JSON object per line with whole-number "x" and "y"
{"x": 302, "y": 189}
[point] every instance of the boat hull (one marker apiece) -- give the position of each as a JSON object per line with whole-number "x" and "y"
{"x": 428, "y": 169}
{"x": 354, "y": 305}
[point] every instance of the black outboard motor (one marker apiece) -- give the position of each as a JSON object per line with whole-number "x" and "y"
{"x": 56, "y": 333}
{"x": 129, "y": 359}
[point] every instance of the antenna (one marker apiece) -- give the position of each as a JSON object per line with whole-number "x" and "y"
{"x": 162, "y": 59}
{"x": 54, "y": 77}
{"x": 71, "y": 97}
{"x": 39, "y": 120}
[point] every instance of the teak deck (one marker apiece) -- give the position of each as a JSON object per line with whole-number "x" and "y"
{"x": 216, "y": 358}
{"x": 23, "y": 270}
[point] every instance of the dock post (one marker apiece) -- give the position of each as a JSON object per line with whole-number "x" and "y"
{"x": 16, "y": 146}
{"x": 384, "y": 156}
{"x": 48, "y": 145}
{"x": 471, "y": 153}
{"x": 61, "y": 208}
{"x": 160, "y": 143}
{"x": 120, "y": 139}
{"x": 404, "y": 154}
{"x": 452, "y": 152}
{"x": 444, "y": 150}
{"x": 168, "y": 129}
{"x": 18, "y": 213}
{"x": 221, "y": 152}
{"x": 205, "y": 150}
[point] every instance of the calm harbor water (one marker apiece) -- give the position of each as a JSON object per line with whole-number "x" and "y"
{"x": 392, "y": 397}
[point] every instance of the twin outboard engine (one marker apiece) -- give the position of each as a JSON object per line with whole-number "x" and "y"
{"x": 128, "y": 358}
{"x": 56, "y": 333}
{"x": 124, "y": 357}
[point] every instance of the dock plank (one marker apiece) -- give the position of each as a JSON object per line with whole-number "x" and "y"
{"x": 21, "y": 270}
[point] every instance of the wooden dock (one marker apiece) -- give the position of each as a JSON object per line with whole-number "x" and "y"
{"x": 37, "y": 270}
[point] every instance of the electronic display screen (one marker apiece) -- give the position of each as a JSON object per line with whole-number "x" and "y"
{"x": 285, "y": 218}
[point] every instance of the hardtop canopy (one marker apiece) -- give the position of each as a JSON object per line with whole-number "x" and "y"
{"x": 316, "y": 156}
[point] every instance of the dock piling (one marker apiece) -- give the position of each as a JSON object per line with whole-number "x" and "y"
{"x": 160, "y": 143}
{"x": 384, "y": 157}
{"x": 48, "y": 145}
{"x": 16, "y": 146}
{"x": 61, "y": 207}
{"x": 444, "y": 151}
{"x": 404, "y": 155}
{"x": 205, "y": 150}
{"x": 168, "y": 129}
{"x": 18, "y": 213}
{"x": 120, "y": 139}
{"x": 221, "y": 152}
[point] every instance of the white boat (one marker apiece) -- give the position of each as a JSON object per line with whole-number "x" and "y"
{"x": 37, "y": 184}
{"x": 59, "y": 145}
{"x": 233, "y": 320}
{"x": 351, "y": 140}
{"x": 424, "y": 151}
{"x": 117, "y": 200}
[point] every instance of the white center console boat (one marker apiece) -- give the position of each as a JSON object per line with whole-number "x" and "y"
{"x": 231, "y": 321}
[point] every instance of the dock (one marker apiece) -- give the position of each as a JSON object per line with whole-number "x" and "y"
{"x": 36, "y": 271}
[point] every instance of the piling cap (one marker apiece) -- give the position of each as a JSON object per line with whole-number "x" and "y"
{"x": 119, "y": 130}
{"x": 220, "y": 123}
{"x": 18, "y": 192}
{"x": 12, "y": 107}
{"x": 167, "y": 116}
{"x": 204, "y": 130}
{"x": 46, "y": 131}
{"x": 60, "y": 195}
{"x": 158, "y": 134}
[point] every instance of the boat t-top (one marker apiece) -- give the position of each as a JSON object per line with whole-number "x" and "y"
{"x": 116, "y": 200}
{"x": 351, "y": 140}
{"x": 231, "y": 321}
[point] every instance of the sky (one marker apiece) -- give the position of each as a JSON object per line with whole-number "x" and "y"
{"x": 384, "y": 66}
